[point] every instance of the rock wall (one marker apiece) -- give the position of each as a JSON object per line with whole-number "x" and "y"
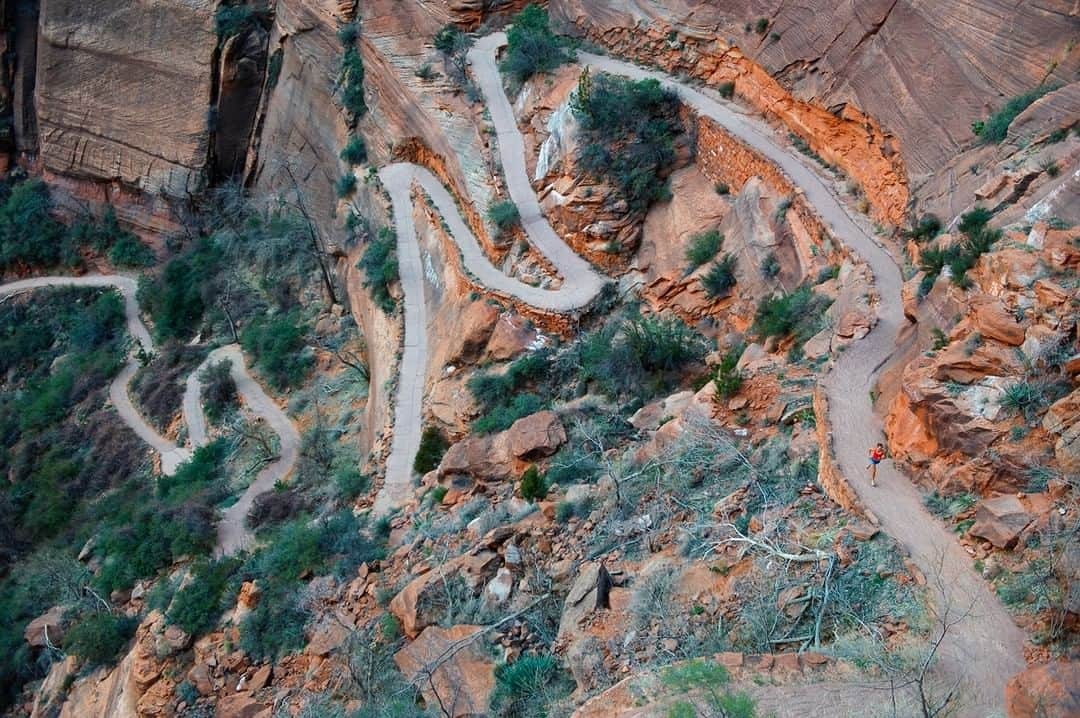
{"x": 886, "y": 89}
{"x": 122, "y": 90}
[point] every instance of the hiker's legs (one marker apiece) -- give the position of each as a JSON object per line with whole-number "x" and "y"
{"x": 873, "y": 473}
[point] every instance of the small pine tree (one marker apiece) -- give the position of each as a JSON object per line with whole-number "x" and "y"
{"x": 532, "y": 485}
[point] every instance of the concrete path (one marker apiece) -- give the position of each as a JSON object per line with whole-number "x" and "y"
{"x": 232, "y": 531}
{"x": 986, "y": 648}
{"x": 171, "y": 454}
{"x": 233, "y": 534}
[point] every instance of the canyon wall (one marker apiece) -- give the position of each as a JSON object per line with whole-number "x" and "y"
{"x": 122, "y": 91}
{"x": 886, "y": 90}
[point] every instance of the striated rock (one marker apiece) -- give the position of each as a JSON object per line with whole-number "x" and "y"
{"x": 1000, "y": 520}
{"x": 536, "y": 436}
{"x": 1063, "y": 413}
{"x": 1047, "y": 691}
{"x": 261, "y": 678}
{"x": 122, "y": 92}
{"x": 1067, "y": 448}
{"x": 463, "y": 682}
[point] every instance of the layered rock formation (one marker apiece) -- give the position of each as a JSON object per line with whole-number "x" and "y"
{"x": 122, "y": 92}
{"x": 886, "y": 90}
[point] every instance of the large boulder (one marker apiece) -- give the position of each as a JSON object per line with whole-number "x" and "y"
{"x": 536, "y": 436}
{"x": 461, "y": 681}
{"x": 1047, "y": 691}
{"x": 481, "y": 457}
{"x": 511, "y": 336}
{"x": 46, "y": 628}
{"x": 1000, "y": 520}
{"x": 993, "y": 320}
{"x": 416, "y": 605}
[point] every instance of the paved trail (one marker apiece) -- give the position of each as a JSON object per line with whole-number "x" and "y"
{"x": 985, "y": 649}
{"x": 233, "y": 535}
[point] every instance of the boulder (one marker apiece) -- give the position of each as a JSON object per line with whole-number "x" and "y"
{"x": 51, "y": 623}
{"x": 477, "y": 324}
{"x": 481, "y": 457}
{"x": 1000, "y": 520}
{"x": 241, "y": 705}
{"x": 462, "y": 683}
{"x": 326, "y": 636}
{"x": 261, "y": 678}
{"x": 536, "y": 436}
{"x": 499, "y": 588}
{"x": 511, "y": 336}
{"x": 1048, "y": 691}
{"x": 1063, "y": 413}
{"x": 1067, "y": 449}
{"x": 993, "y": 320}
{"x": 408, "y": 605}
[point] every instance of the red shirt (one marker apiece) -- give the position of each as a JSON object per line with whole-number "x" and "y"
{"x": 877, "y": 453}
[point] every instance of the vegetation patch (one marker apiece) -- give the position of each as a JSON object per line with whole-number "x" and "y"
{"x": 703, "y": 247}
{"x": 433, "y": 445}
{"x": 996, "y": 127}
{"x": 531, "y": 47}
{"x": 629, "y": 131}
{"x": 380, "y": 266}
{"x": 528, "y": 687}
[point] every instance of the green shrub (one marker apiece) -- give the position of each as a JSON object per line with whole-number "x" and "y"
{"x": 130, "y": 252}
{"x": 1024, "y": 398}
{"x": 98, "y": 639}
{"x": 380, "y": 266}
{"x": 703, "y": 247}
{"x": 728, "y": 379}
{"x": 762, "y": 25}
{"x": 722, "y": 188}
{"x": 798, "y": 314}
{"x": 504, "y": 215}
{"x": 502, "y": 417}
{"x": 433, "y": 446}
{"x": 694, "y": 674}
{"x": 275, "y": 627}
{"x": 351, "y": 74}
{"x": 28, "y": 233}
{"x": 203, "y": 469}
{"x": 771, "y": 266}
{"x": 567, "y": 510}
{"x": 629, "y": 130}
{"x": 355, "y": 153}
{"x": 941, "y": 340}
{"x": 928, "y": 227}
{"x": 726, "y": 90}
{"x": 219, "y": 390}
{"x": 638, "y": 356}
{"x": 532, "y": 485}
{"x": 277, "y": 345}
{"x": 720, "y": 278}
{"x": 502, "y": 396}
{"x": 527, "y": 687}
{"x": 996, "y": 127}
{"x": 175, "y": 300}
{"x": 231, "y": 20}
{"x": 346, "y": 185}
{"x": 531, "y": 46}
{"x": 196, "y": 607}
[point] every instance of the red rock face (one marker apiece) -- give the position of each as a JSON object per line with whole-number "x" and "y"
{"x": 885, "y": 90}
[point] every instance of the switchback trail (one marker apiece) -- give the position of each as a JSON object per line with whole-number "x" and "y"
{"x": 232, "y": 532}
{"x": 986, "y": 648}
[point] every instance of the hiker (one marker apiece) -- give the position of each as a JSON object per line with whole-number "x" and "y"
{"x": 877, "y": 454}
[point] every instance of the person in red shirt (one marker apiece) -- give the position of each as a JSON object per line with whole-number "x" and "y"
{"x": 877, "y": 455}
